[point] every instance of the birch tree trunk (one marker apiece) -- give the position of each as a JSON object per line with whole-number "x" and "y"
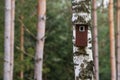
{"x": 95, "y": 39}
{"x": 118, "y": 40}
{"x": 112, "y": 41}
{"x": 7, "y": 51}
{"x": 40, "y": 39}
{"x": 12, "y": 36}
{"x": 82, "y": 56}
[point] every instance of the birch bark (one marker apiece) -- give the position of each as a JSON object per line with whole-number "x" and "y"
{"x": 83, "y": 57}
{"x": 12, "y": 37}
{"x": 7, "y": 63}
{"x": 40, "y": 39}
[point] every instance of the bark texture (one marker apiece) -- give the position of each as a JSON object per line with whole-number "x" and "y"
{"x": 83, "y": 56}
{"x": 21, "y": 45}
{"x": 12, "y": 36}
{"x": 118, "y": 40}
{"x": 112, "y": 41}
{"x": 21, "y": 18}
{"x": 40, "y": 39}
{"x": 95, "y": 39}
{"x": 7, "y": 51}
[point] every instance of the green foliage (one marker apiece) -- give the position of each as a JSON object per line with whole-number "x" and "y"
{"x": 1, "y": 37}
{"x": 58, "y": 46}
{"x": 103, "y": 40}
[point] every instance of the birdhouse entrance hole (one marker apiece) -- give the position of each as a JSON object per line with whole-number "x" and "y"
{"x": 82, "y": 28}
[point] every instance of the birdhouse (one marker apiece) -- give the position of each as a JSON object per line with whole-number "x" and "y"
{"x": 81, "y": 35}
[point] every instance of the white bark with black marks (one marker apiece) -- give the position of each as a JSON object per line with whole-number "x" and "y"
{"x": 40, "y": 39}
{"x": 7, "y": 41}
{"x": 83, "y": 62}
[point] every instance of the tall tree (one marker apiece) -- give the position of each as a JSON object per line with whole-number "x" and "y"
{"x": 40, "y": 39}
{"x": 21, "y": 44}
{"x": 21, "y": 18}
{"x": 83, "y": 60}
{"x": 7, "y": 37}
{"x": 12, "y": 36}
{"x": 118, "y": 38}
{"x": 95, "y": 39}
{"x": 112, "y": 41}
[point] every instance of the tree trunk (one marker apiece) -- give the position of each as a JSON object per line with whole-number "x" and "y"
{"x": 21, "y": 45}
{"x": 82, "y": 55}
{"x": 40, "y": 39}
{"x": 21, "y": 17}
{"x": 112, "y": 41}
{"x": 12, "y": 36}
{"x": 102, "y": 5}
{"x": 118, "y": 40}
{"x": 7, "y": 51}
{"x": 95, "y": 40}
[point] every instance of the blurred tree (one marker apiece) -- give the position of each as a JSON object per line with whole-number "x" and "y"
{"x": 7, "y": 43}
{"x": 40, "y": 39}
{"x": 21, "y": 18}
{"x": 112, "y": 41}
{"x": 118, "y": 39}
{"x": 21, "y": 44}
{"x": 95, "y": 38}
{"x": 12, "y": 37}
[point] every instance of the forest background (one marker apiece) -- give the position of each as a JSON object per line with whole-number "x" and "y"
{"x": 58, "y": 56}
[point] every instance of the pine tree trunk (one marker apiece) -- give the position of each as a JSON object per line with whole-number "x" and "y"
{"x": 21, "y": 45}
{"x": 40, "y": 39}
{"x": 112, "y": 41}
{"x": 12, "y": 36}
{"x": 118, "y": 40}
{"x": 7, "y": 51}
{"x": 21, "y": 17}
{"x": 82, "y": 56}
{"x": 95, "y": 40}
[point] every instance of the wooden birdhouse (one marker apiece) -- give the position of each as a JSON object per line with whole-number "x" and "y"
{"x": 81, "y": 35}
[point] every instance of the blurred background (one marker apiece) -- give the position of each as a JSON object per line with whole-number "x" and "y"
{"x": 58, "y": 55}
